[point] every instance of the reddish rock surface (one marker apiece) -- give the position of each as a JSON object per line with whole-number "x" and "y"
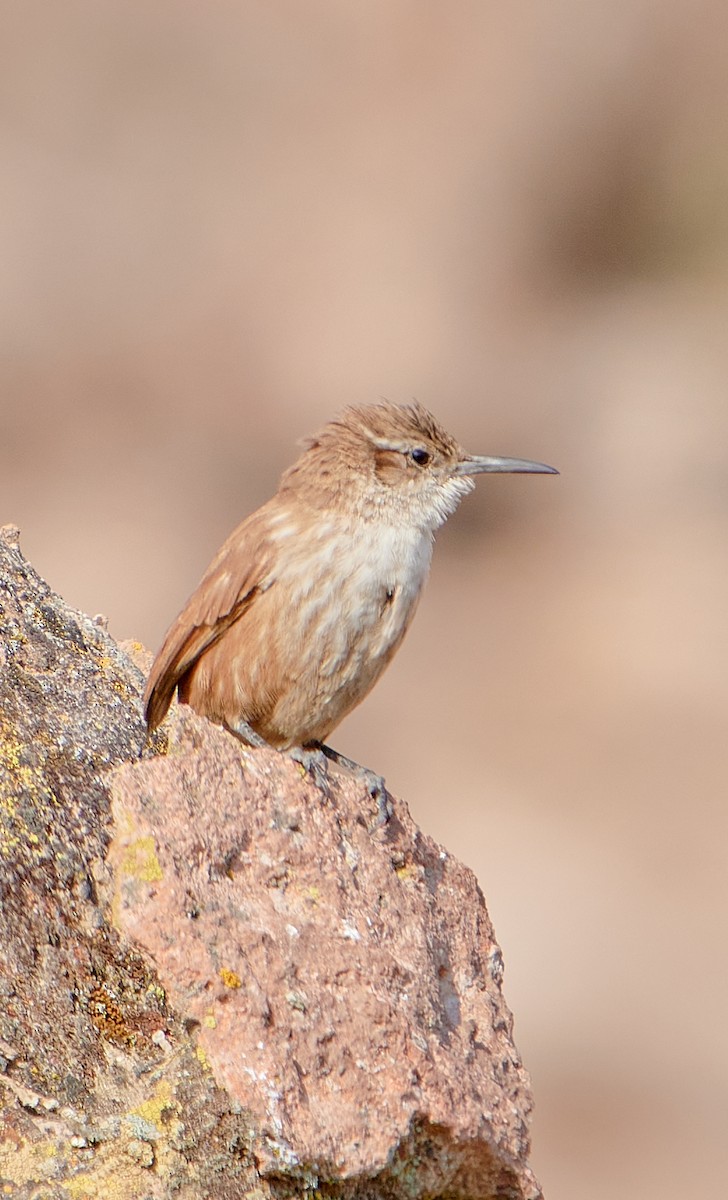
{"x": 217, "y": 982}
{"x": 343, "y": 979}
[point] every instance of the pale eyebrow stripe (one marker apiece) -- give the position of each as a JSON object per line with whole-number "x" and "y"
{"x": 388, "y": 444}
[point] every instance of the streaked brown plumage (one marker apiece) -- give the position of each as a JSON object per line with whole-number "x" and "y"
{"x": 309, "y": 598}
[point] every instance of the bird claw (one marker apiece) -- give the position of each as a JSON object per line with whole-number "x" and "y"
{"x": 385, "y": 808}
{"x": 314, "y": 764}
{"x": 374, "y": 784}
{"x": 377, "y": 789}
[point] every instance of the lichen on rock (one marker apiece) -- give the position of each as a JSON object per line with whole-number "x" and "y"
{"x": 216, "y": 981}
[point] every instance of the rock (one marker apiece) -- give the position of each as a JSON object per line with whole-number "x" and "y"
{"x": 82, "y": 1076}
{"x": 217, "y": 981}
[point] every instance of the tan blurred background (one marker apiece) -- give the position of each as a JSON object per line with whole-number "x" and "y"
{"x": 218, "y": 224}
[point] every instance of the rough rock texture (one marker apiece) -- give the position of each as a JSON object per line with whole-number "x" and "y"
{"x": 344, "y": 981}
{"x": 215, "y": 981}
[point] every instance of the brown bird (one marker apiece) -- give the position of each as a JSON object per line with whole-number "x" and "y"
{"x": 309, "y": 598}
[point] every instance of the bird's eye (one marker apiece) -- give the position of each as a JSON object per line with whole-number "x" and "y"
{"x": 421, "y": 457}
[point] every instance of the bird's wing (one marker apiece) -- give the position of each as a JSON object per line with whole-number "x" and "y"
{"x": 241, "y": 569}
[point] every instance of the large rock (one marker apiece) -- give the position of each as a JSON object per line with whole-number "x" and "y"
{"x": 217, "y": 981}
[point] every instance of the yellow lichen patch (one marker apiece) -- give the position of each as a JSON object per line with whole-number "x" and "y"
{"x": 141, "y": 862}
{"x": 24, "y": 1161}
{"x": 160, "y": 1112}
{"x": 121, "y": 688}
{"x": 112, "y": 1174}
{"x": 108, "y": 1179}
{"x": 21, "y": 776}
{"x": 229, "y": 978}
{"x": 9, "y": 751}
{"x": 109, "y": 1175}
{"x": 157, "y": 992}
{"x": 125, "y": 823}
{"x": 209, "y": 1021}
{"x": 19, "y": 779}
{"x": 158, "y": 741}
{"x": 158, "y": 1108}
{"x": 120, "y": 1166}
{"x": 408, "y": 873}
{"x": 8, "y": 841}
{"x": 202, "y": 1058}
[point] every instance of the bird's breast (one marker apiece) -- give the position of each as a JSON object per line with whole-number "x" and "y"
{"x": 354, "y": 589}
{"x": 381, "y": 560}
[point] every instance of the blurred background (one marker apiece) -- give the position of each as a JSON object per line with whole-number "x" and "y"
{"x": 220, "y": 223}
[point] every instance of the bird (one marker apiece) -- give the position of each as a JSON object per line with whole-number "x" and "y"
{"x": 308, "y": 600}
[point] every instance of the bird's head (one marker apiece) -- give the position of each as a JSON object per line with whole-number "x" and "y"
{"x": 392, "y": 462}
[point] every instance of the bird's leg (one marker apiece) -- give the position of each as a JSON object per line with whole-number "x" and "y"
{"x": 245, "y": 733}
{"x": 374, "y": 783}
{"x": 311, "y": 758}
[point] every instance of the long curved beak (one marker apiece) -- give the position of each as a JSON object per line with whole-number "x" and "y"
{"x": 476, "y": 465}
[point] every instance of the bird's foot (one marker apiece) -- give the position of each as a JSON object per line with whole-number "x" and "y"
{"x": 314, "y": 763}
{"x": 385, "y": 808}
{"x": 311, "y": 758}
{"x": 374, "y": 783}
{"x": 315, "y": 759}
